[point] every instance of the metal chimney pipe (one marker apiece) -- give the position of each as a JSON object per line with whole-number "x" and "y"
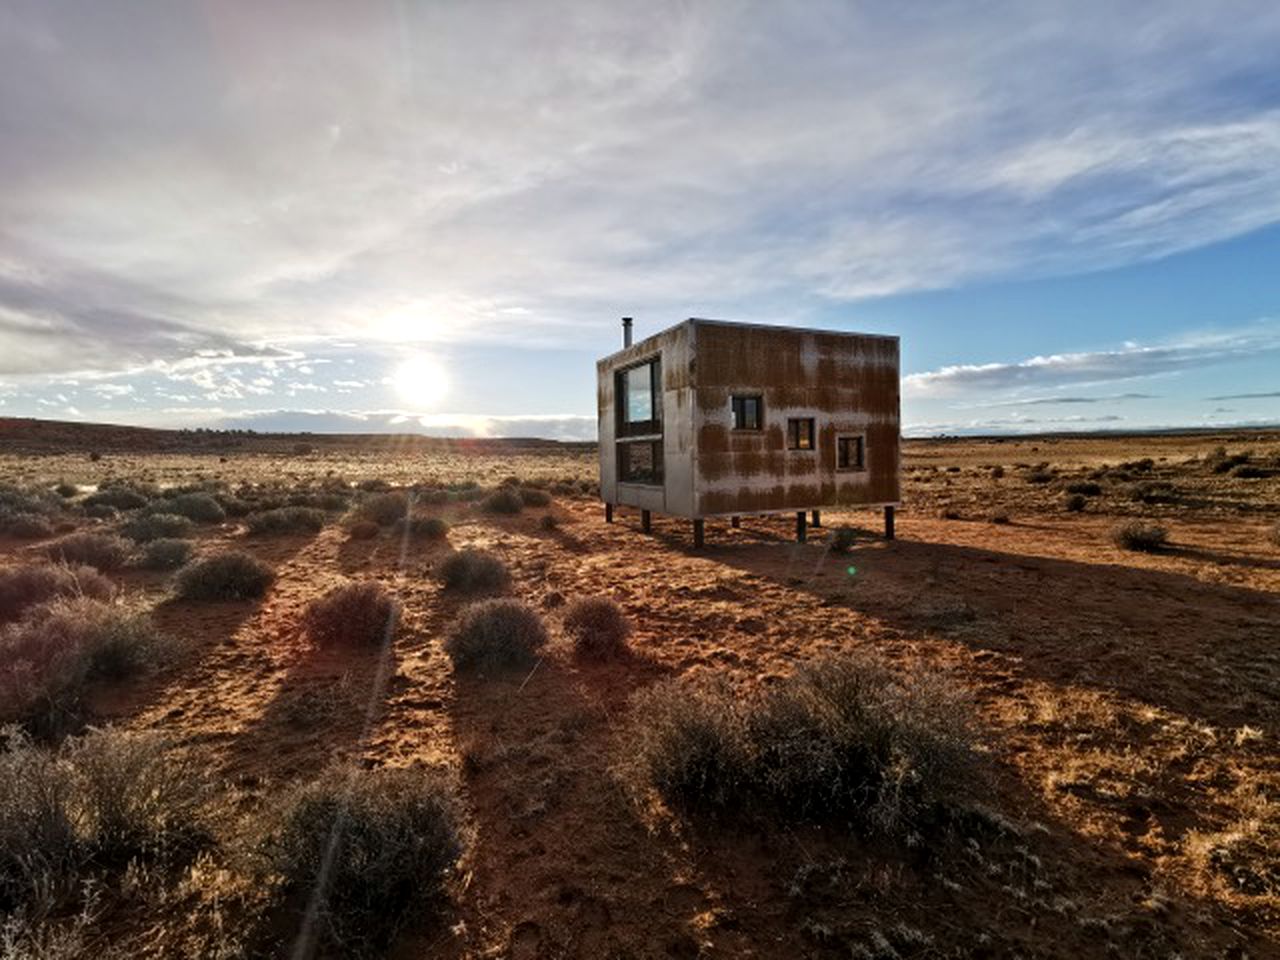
{"x": 626, "y": 331}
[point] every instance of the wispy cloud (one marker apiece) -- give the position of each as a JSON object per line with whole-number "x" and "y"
{"x": 1130, "y": 362}
{"x": 1272, "y": 394}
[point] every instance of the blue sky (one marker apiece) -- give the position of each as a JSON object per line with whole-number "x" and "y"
{"x": 429, "y": 217}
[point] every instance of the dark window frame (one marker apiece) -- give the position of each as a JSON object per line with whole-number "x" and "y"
{"x": 639, "y": 428}
{"x": 860, "y": 446}
{"x": 656, "y": 479}
{"x": 797, "y": 428}
{"x": 738, "y": 403}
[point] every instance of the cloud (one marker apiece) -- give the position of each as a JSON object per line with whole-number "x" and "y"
{"x": 1248, "y": 396}
{"x": 1133, "y": 361}
{"x": 248, "y": 179}
{"x": 1040, "y": 401}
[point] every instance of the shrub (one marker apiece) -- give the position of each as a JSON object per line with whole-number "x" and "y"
{"x": 844, "y": 738}
{"x": 843, "y": 539}
{"x": 496, "y": 635}
{"x": 373, "y": 847}
{"x": 1275, "y": 535}
{"x": 1248, "y": 471}
{"x": 473, "y": 570}
{"x": 198, "y": 507}
{"x": 101, "y": 511}
{"x": 233, "y": 575}
{"x": 26, "y": 526}
{"x": 506, "y": 500}
{"x": 531, "y": 497}
{"x": 48, "y": 658}
{"x": 422, "y": 528}
{"x": 687, "y": 742}
{"x": 103, "y": 799}
{"x": 66, "y": 490}
{"x": 1085, "y": 488}
{"x": 120, "y": 497}
{"x": 165, "y": 554}
{"x": 999, "y": 518}
{"x": 1075, "y": 503}
{"x": 383, "y": 509}
{"x": 549, "y": 522}
{"x": 997, "y": 472}
{"x": 1153, "y": 491}
{"x": 157, "y": 526}
{"x": 360, "y": 614}
{"x": 363, "y": 530}
{"x": 597, "y": 625}
{"x": 286, "y": 520}
{"x": 24, "y": 587}
{"x": 99, "y": 550}
{"x": 1137, "y": 535}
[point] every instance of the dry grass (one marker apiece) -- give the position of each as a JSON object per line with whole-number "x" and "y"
{"x": 473, "y": 571}
{"x": 496, "y": 635}
{"x": 164, "y": 554}
{"x": 157, "y": 526}
{"x": 843, "y": 738}
{"x": 598, "y": 626}
{"x": 1140, "y": 536}
{"x": 233, "y": 575}
{"x": 98, "y": 550}
{"x": 373, "y": 849}
{"x": 286, "y": 520}
{"x": 27, "y": 586}
{"x": 360, "y": 614}
{"x": 50, "y": 658}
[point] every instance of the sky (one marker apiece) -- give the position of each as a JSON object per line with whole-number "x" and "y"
{"x": 429, "y": 216}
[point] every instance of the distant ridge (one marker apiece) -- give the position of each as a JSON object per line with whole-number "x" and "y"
{"x": 37, "y": 436}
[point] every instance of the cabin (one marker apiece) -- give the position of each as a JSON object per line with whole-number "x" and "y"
{"x": 715, "y": 419}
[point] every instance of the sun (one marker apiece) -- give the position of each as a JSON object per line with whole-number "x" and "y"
{"x": 421, "y": 381}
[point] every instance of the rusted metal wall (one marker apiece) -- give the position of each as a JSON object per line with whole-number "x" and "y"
{"x": 675, "y": 496}
{"x": 848, "y": 383}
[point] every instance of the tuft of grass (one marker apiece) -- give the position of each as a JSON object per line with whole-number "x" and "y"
{"x": 473, "y": 571}
{"x": 598, "y": 626}
{"x": 1140, "y": 536}
{"x": 120, "y": 497}
{"x": 164, "y": 554}
{"x": 504, "y": 500}
{"x": 999, "y": 518}
{"x": 383, "y": 508}
{"x": 374, "y": 849}
{"x": 197, "y": 507}
{"x": 66, "y": 490}
{"x": 100, "y": 801}
{"x": 532, "y": 497}
{"x": 844, "y": 738}
{"x": 22, "y": 588}
{"x": 498, "y": 634}
{"x": 233, "y": 575}
{"x": 1085, "y": 488}
{"x": 286, "y": 520}
{"x": 26, "y": 526}
{"x": 1074, "y": 503}
{"x": 1039, "y": 475}
{"x": 98, "y": 550}
{"x": 358, "y": 614}
{"x": 549, "y": 522}
{"x": 157, "y": 526}
{"x": 422, "y": 528}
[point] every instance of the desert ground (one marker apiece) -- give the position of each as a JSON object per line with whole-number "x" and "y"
{"x": 1123, "y": 705}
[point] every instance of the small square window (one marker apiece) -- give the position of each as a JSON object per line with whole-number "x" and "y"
{"x": 851, "y": 453}
{"x": 748, "y": 413}
{"x": 800, "y": 433}
{"x": 640, "y": 461}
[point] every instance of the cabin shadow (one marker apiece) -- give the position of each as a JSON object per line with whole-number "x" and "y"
{"x": 1203, "y": 650}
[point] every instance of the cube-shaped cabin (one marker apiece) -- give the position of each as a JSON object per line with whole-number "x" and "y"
{"x": 711, "y": 419}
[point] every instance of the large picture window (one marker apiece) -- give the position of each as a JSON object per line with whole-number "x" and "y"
{"x": 640, "y": 461}
{"x": 638, "y": 392}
